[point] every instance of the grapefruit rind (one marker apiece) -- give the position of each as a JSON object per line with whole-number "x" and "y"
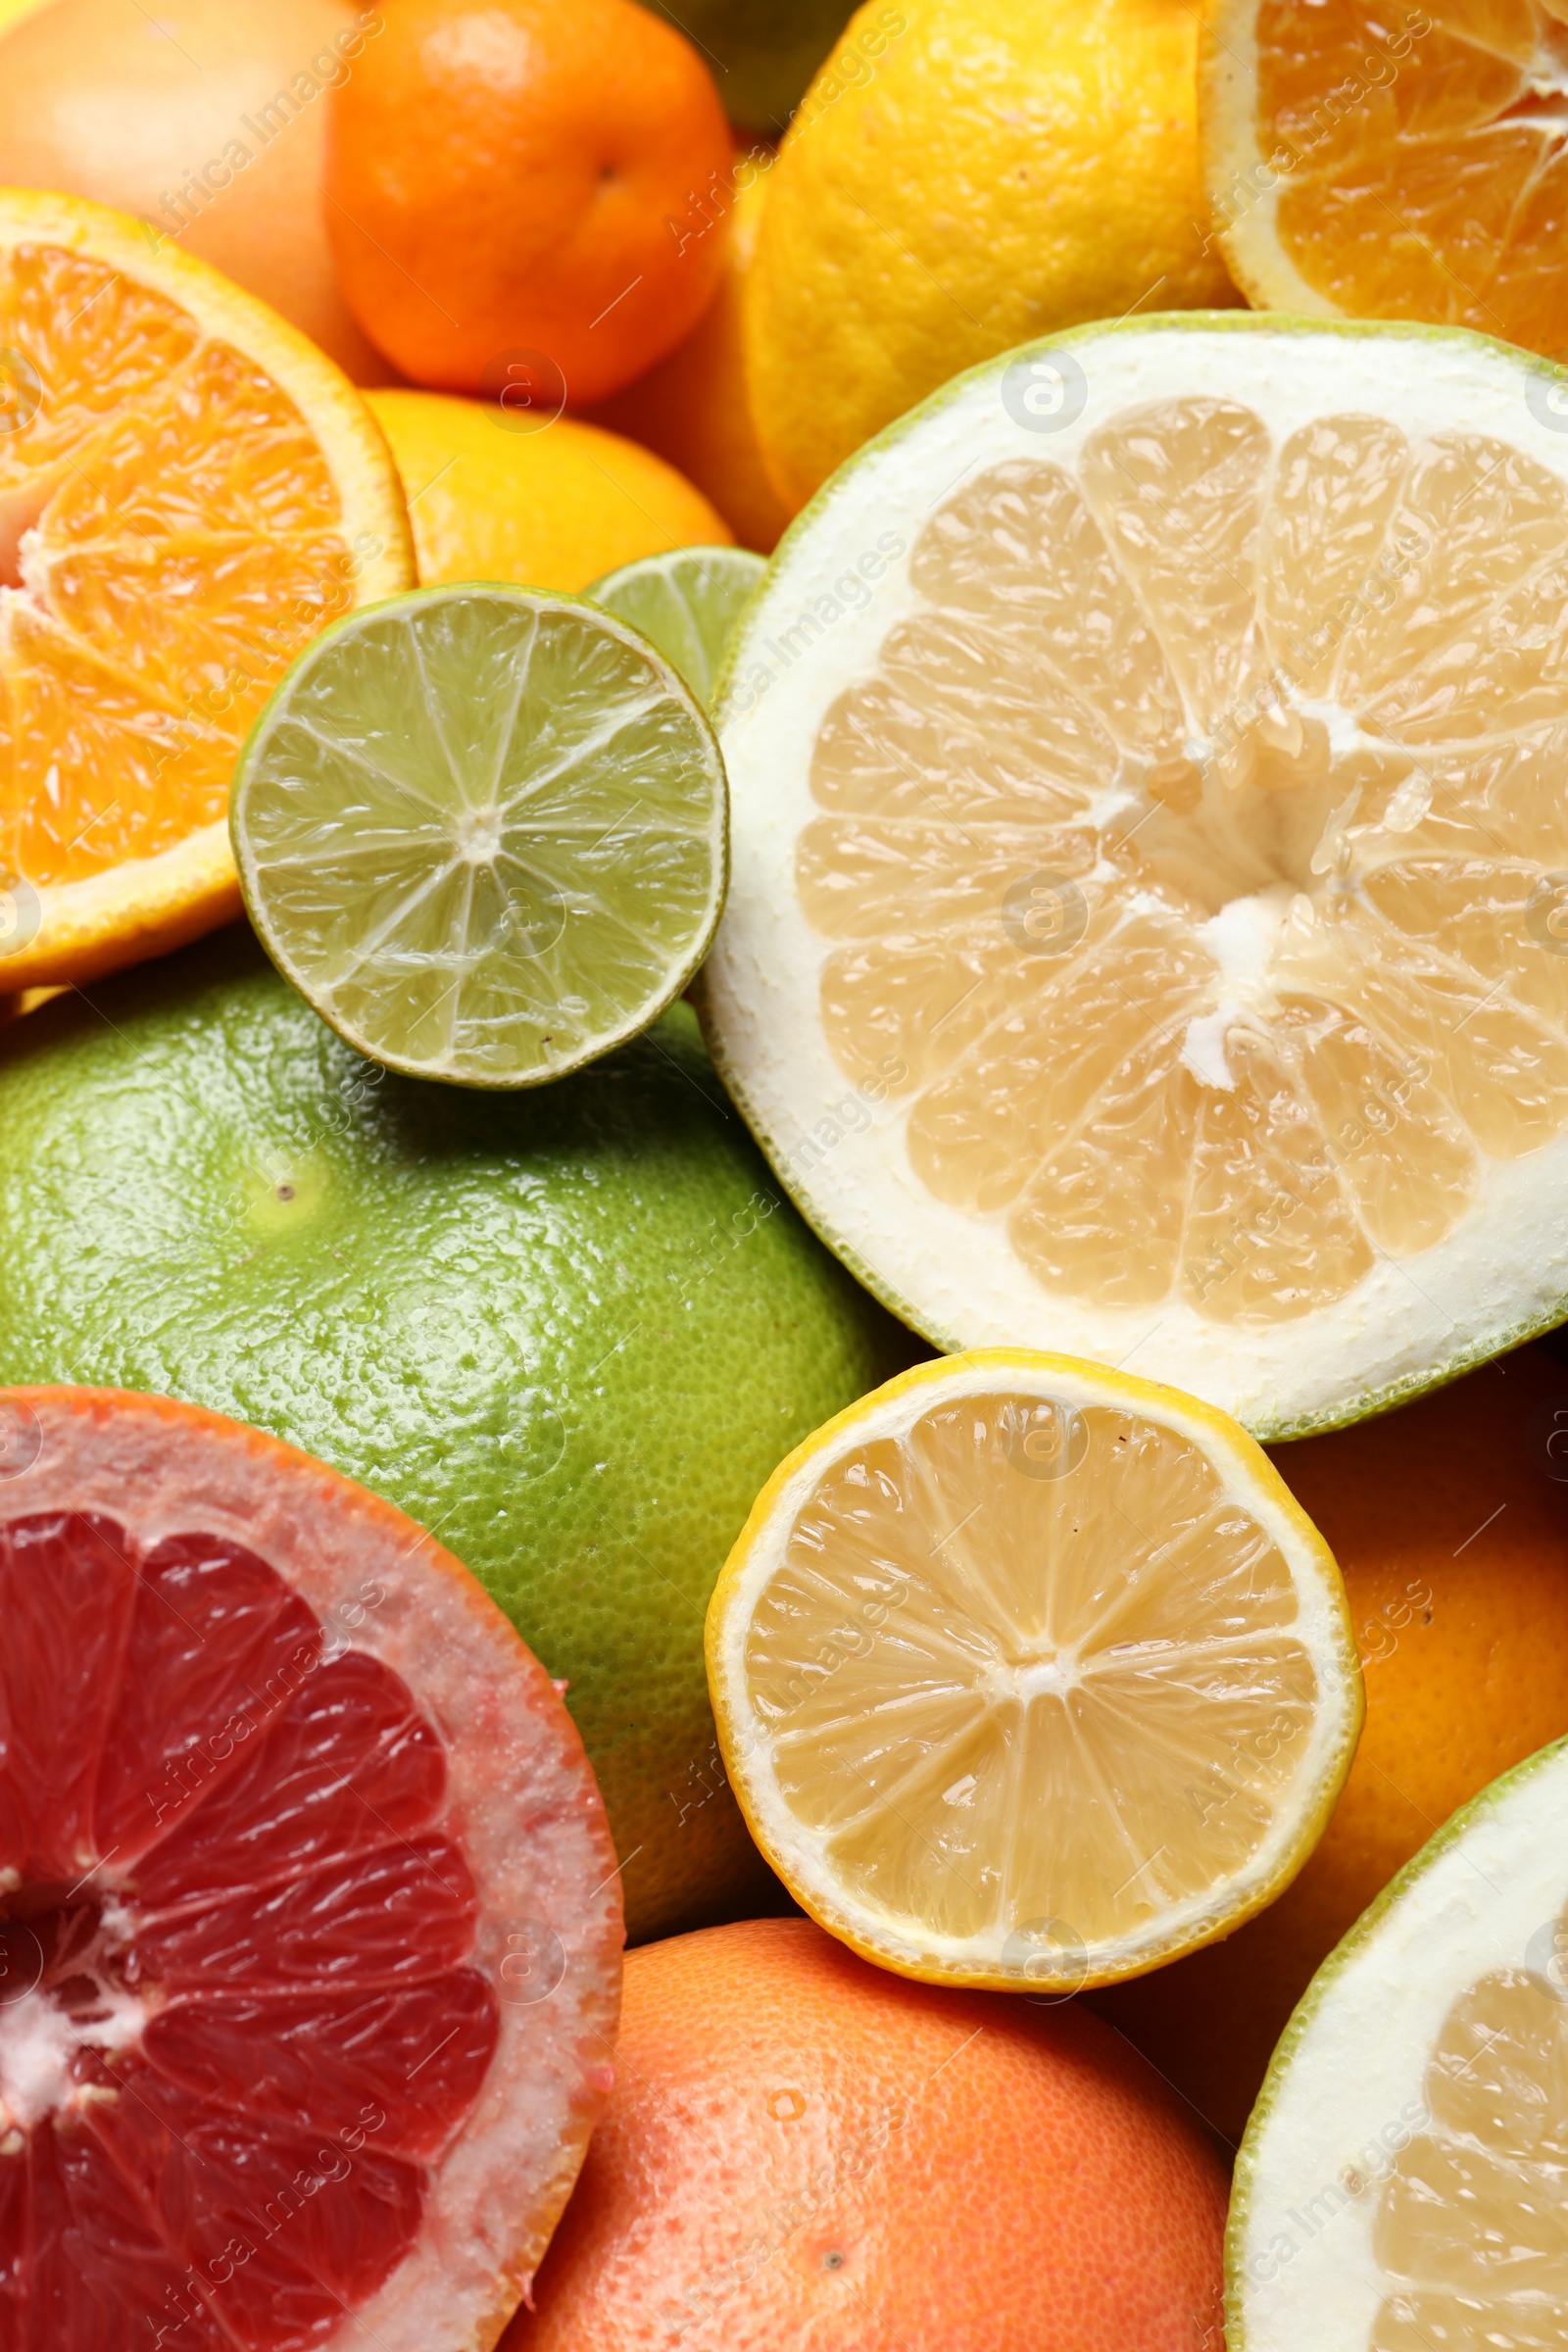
{"x": 1344, "y": 2092}
{"x": 520, "y": 1795}
{"x": 149, "y": 907}
{"x": 837, "y": 1148}
{"x": 1248, "y": 1476}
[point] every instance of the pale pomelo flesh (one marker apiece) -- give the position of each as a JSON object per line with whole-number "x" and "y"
{"x": 293, "y": 1832}
{"x": 1163, "y": 728}
{"x": 1399, "y": 2188}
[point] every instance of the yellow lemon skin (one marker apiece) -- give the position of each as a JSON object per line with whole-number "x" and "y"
{"x": 695, "y": 406}
{"x": 993, "y": 170}
{"x": 549, "y": 508}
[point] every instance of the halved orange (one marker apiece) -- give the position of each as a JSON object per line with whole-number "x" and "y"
{"x": 310, "y": 1920}
{"x": 1404, "y": 163}
{"x": 188, "y": 491}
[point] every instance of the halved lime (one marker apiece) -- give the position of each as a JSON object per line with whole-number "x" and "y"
{"x": 688, "y": 602}
{"x": 483, "y": 830}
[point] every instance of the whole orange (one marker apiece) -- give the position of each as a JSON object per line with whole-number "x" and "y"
{"x": 1451, "y": 1529}
{"x": 205, "y": 118}
{"x": 694, "y": 407}
{"x": 526, "y": 176}
{"x": 805, "y": 2154}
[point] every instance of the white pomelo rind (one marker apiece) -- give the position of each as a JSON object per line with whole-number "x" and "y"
{"x": 1346, "y": 2090}
{"x": 1249, "y": 1480}
{"x": 840, "y": 1150}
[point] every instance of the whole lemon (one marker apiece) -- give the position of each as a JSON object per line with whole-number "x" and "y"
{"x": 555, "y": 508}
{"x": 964, "y": 176}
{"x": 571, "y": 1334}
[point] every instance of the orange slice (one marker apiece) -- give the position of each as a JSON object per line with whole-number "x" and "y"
{"x": 188, "y": 491}
{"x": 1404, "y": 163}
{"x": 310, "y": 1919}
{"x": 1147, "y": 929}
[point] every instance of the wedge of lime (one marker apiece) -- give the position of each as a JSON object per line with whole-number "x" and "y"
{"x": 483, "y": 830}
{"x": 688, "y": 602}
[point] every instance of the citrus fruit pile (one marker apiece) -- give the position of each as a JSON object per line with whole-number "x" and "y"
{"x": 783, "y": 831}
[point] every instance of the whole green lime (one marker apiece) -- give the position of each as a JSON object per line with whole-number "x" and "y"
{"x": 570, "y": 1333}
{"x": 763, "y": 53}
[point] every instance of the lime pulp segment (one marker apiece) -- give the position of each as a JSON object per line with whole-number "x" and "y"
{"x": 687, "y": 602}
{"x": 483, "y": 830}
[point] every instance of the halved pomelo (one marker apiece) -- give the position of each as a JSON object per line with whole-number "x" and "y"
{"x": 1149, "y": 853}
{"x": 310, "y": 1923}
{"x": 189, "y": 490}
{"x": 1028, "y": 1673}
{"x": 1368, "y": 162}
{"x": 1400, "y": 2188}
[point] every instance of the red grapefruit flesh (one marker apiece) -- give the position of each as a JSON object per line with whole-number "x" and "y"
{"x": 309, "y": 1927}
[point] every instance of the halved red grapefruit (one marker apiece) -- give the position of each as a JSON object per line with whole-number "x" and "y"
{"x": 310, "y": 1926}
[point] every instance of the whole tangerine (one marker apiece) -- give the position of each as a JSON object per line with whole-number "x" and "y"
{"x": 505, "y": 174}
{"x": 801, "y": 2151}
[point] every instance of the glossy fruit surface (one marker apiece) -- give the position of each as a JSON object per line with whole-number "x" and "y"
{"x": 803, "y": 2151}
{"x": 505, "y": 174}
{"x": 695, "y": 406}
{"x": 961, "y": 177}
{"x": 552, "y": 507}
{"x": 572, "y": 1332}
{"x": 293, "y": 1832}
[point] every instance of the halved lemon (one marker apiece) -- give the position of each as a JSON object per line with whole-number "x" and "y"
{"x": 1391, "y": 163}
{"x": 1148, "y": 931}
{"x": 1031, "y": 1674}
{"x": 1400, "y": 2184}
{"x": 189, "y": 490}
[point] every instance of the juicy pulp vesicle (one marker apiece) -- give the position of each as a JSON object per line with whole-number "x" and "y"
{"x": 1187, "y": 853}
{"x": 171, "y": 534}
{"x": 237, "y": 1931}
